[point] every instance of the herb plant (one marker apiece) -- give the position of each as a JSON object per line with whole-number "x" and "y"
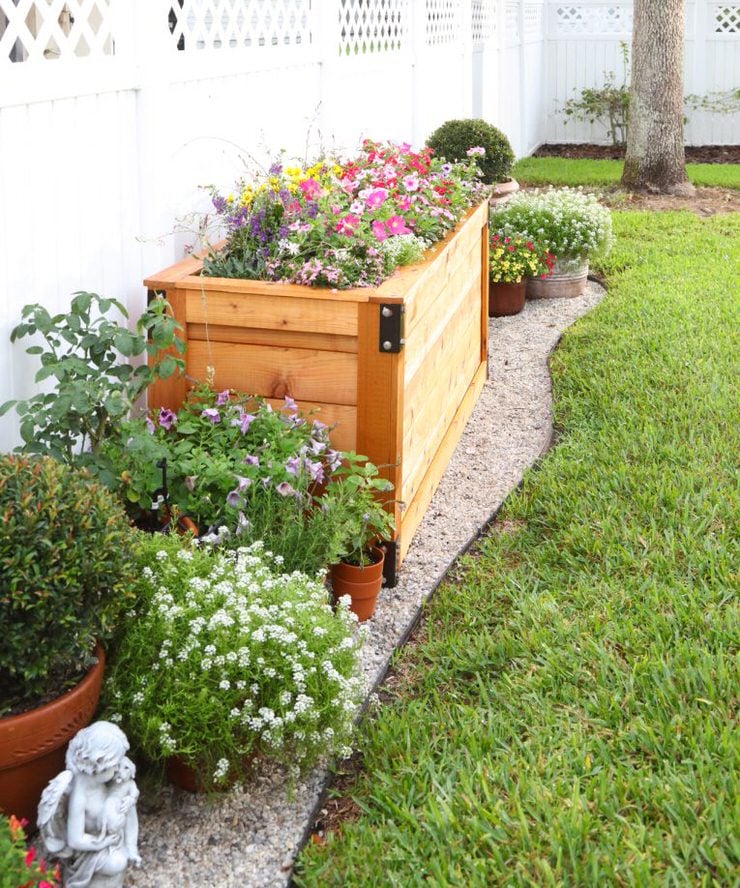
{"x": 94, "y": 389}
{"x": 65, "y": 575}
{"x": 353, "y": 497}
{"x": 226, "y": 656}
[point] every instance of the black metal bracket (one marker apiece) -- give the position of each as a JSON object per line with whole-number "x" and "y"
{"x": 390, "y": 565}
{"x": 390, "y": 328}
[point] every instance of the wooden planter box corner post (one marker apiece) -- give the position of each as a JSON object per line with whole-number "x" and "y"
{"x": 397, "y": 367}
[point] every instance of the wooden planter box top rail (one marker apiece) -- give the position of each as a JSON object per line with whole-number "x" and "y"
{"x": 397, "y": 367}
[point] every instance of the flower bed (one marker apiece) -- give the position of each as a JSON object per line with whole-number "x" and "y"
{"x": 395, "y": 368}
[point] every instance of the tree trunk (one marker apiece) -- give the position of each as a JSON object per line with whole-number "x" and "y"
{"x": 655, "y": 156}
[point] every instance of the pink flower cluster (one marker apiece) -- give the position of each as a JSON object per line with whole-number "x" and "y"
{"x": 331, "y": 225}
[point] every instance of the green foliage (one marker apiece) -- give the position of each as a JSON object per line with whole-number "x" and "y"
{"x": 454, "y": 139}
{"x": 93, "y": 389}
{"x": 65, "y": 575}
{"x": 603, "y": 173}
{"x": 609, "y": 104}
{"x": 359, "y": 514}
{"x": 226, "y": 655}
{"x": 569, "y": 714}
{"x": 721, "y": 102}
{"x": 245, "y": 472}
{"x": 19, "y": 865}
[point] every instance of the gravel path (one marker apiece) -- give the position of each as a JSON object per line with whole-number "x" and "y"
{"x": 249, "y": 837}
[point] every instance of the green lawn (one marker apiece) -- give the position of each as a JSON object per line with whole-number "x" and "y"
{"x": 566, "y": 717}
{"x": 568, "y": 171}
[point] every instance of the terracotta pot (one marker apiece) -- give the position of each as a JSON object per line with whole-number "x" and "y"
{"x": 567, "y": 279}
{"x": 182, "y": 775}
{"x": 33, "y": 744}
{"x": 506, "y": 299}
{"x": 362, "y": 584}
{"x": 502, "y": 191}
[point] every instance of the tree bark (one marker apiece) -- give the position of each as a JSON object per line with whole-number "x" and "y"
{"x": 655, "y": 152}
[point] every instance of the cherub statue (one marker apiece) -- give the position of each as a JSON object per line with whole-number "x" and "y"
{"x": 87, "y": 814}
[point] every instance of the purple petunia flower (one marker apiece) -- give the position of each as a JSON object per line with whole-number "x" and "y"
{"x": 293, "y": 465}
{"x": 335, "y": 459}
{"x": 212, "y": 415}
{"x": 315, "y": 470}
{"x": 244, "y": 422}
{"x": 150, "y": 427}
{"x": 166, "y": 418}
{"x": 284, "y": 489}
{"x": 251, "y": 460}
{"x": 242, "y": 524}
{"x": 290, "y": 404}
{"x": 223, "y": 397}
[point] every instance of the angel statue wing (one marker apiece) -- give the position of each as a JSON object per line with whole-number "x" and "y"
{"x": 52, "y": 814}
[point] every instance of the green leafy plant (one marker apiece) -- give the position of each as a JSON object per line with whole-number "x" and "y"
{"x": 719, "y": 102}
{"x": 609, "y": 104}
{"x": 361, "y": 515}
{"x": 19, "y": 865}
{"x": 243, "y": 472}
{"x": 94, "y": 389}
{"x": 65, "y": 575}
{"x": 226, "y": 655}
{"x": 459, "y": 140}
{"x": 567, "y": 222}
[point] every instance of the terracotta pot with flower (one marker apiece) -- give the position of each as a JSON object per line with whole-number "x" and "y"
{"x": 357, "y": 495}
{"x": 65, "y": 580}
{"x": 513, "y": 260}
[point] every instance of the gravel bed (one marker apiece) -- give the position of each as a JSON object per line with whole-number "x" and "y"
{"x": 250, "y": 837}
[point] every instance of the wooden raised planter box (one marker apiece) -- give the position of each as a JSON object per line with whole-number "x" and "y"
{"x": 398, "y": 367}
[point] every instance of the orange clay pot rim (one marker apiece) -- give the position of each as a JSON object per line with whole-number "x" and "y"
{"x": 60, "y": 701}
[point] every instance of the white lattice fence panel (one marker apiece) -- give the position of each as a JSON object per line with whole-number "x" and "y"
{"x": 511, "y": 23}
{"x": 483, "y": 21}
{"x": 372, "y": 26}
{"x": 581, "y": 20}
{"x": 232, "y": 24}
{"x": 726, "y": 19}
{"x": 33, "y": 30}
{"x": 442, "y": 22}
{"x": 534, "y": 17}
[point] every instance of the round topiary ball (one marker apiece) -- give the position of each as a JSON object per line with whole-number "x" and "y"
{"x": 454, "y": 138}
{"x": 66, "y": 575}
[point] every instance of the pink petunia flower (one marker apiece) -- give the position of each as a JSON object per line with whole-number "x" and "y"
{"x": 404, "y": 203}
{"x": 411, "y": 183}
{"x": 397, "y": 225}
{"x": 379, "y": 231}
{"x": 310, "y": 189}
{"x": 347, "y": 224}
{"x": 376, "y": 197}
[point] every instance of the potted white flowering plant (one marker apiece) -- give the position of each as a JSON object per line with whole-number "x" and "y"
{"x": 569, "y": 223}
{"x": 225, "y": 658}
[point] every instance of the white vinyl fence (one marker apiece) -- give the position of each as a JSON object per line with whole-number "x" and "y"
{"x": 113, "y": 113}
{"x": 585, "y": 37}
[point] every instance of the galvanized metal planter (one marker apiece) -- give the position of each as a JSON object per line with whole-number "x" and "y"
{"x": 398, "y": 367}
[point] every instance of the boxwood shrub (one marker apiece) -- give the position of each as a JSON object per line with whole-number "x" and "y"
{"x": 455, "y": 138}
{"x": 66, "y": 573}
